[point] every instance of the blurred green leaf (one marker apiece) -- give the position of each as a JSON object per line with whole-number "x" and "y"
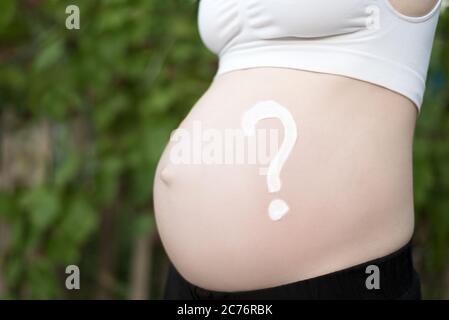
{"x": 143, "y": 223}
{"x": 42, "y": 206}
{"x": 50, "y": 54}
{"x": 7, "y": 10}
{"x": 79, "y": 222}
{"x": 67, "y": 171}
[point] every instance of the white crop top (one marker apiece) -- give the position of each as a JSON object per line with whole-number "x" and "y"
{"x": 363, "y": 39}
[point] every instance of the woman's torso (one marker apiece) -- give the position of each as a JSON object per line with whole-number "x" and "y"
{"x": 347, "y": 181}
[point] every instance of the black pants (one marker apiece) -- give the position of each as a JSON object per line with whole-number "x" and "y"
{"x": 389, "y": 277}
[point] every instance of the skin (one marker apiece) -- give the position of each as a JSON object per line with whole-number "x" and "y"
{"x": 413, "y": 8}
{"x": 348, "y": 182}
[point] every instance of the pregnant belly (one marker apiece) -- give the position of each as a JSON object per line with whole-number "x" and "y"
{"x": 347, "y": 181}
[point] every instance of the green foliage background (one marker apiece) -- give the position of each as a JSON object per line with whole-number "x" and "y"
{"x": 112, "y": 92}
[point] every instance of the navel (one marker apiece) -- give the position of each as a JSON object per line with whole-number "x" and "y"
{"x": 167, "y": 174}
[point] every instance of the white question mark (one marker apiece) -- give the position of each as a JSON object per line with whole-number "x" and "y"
{"x": 271, "y": 109}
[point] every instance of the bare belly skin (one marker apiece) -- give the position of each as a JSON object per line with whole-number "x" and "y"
{"x": 348, "y": 183}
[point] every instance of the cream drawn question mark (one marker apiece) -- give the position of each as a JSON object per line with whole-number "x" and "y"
{"x": 265, "y": 110}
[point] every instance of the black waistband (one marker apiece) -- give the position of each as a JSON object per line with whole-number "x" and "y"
{"x": 388, "y": 277}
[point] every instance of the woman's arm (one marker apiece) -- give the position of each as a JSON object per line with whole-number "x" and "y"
{"x": 415, "y": 8}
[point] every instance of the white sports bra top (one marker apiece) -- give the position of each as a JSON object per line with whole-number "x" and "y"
{"x": 363, "y": 39}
